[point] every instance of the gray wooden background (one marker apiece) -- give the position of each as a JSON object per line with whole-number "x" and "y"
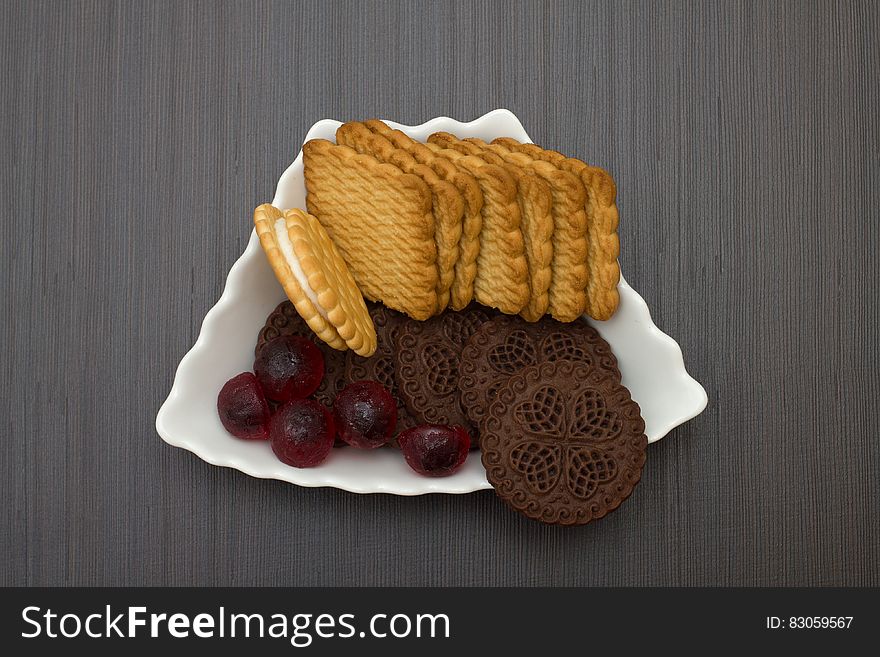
{"x": 744, "y": 136}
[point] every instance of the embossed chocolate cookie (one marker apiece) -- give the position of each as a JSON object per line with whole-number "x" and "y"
{"x": 507, "y": 344}
{"x": 380, "y": 366}
{"x": 428, "y": 356}
{"x": 563, "y": 443}
{"x": 284, "y": 320}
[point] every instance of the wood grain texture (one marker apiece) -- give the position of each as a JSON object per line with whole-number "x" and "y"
{"x": 745, "y": 141}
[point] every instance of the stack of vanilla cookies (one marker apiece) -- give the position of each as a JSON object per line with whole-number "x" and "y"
{"x": 422, "y": 227}
{"x": 426, "y": 226}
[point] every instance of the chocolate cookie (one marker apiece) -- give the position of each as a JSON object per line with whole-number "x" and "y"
{"x": 427, "y": 366}
{"x": 284, "y": 320}
{"x": 508, "y": 344}
{"x": 380, "y": 366}
{"x": 563, "y": 443}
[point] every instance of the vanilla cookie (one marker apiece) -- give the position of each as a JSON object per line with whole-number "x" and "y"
{"x": 535, "y": 203}
{"x": 570, "y": 280}
{"x": 380, "y": 219}
{"x": 448, "y": 203}
{"x": 502, "y": 270}
{"x": 315, "y": 278}
{"x": 602, "y": 220}
{"x": 462, "y": 290}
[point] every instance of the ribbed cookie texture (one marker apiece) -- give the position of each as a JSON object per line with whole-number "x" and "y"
{"x": 602, "y": 219}
{"x": 502, "y": 270}
{"x": 339, "y": 299}
{"x": 536, "y": 220}
{"x": 462, "y": 290}
{"x": 265, "y": 217}
{"x": 381, "y": 219}
{"x": 448, "y": 203}
{"x": 426, "y": 226}
{"x": 568, "y": 288}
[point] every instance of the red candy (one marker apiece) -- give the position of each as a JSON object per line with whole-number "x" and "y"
{"x": 302, "y": 432}
{"x": 365, "y": 414}
{"x": 435, "y": 450}
{"x": 289, "y": 367}
{"x": 243, "y": 409}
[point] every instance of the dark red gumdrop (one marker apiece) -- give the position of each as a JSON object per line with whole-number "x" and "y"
{"x": 243, "y": 409}
{"x": 365, "y": 414}
{"x": 302, "y": 432}
{"x": 435, "y": 450}
{"x": 289, "y": 367}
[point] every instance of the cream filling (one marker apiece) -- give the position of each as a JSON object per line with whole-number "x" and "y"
{"x": 293, "y": 263}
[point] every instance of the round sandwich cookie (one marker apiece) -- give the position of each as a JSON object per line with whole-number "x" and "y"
{"x": 315, "y": 278}
{"x": 563, "y": 443}
{"x": 427, "y": 365}
{"x": 507, "y": 344}
{"x": 284, "y": 320}
{"x": 380, "y": 366}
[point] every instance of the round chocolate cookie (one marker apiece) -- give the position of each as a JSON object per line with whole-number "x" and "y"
{"x": 507, "y": 344}
{"x": 284, "y": 320}
{"x": 563, "y": 443}
{"x": 380, "y": 366}
{"x": 428, "y": 356}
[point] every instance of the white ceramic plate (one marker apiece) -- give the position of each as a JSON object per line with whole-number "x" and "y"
{"x": 650, "y": 361}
